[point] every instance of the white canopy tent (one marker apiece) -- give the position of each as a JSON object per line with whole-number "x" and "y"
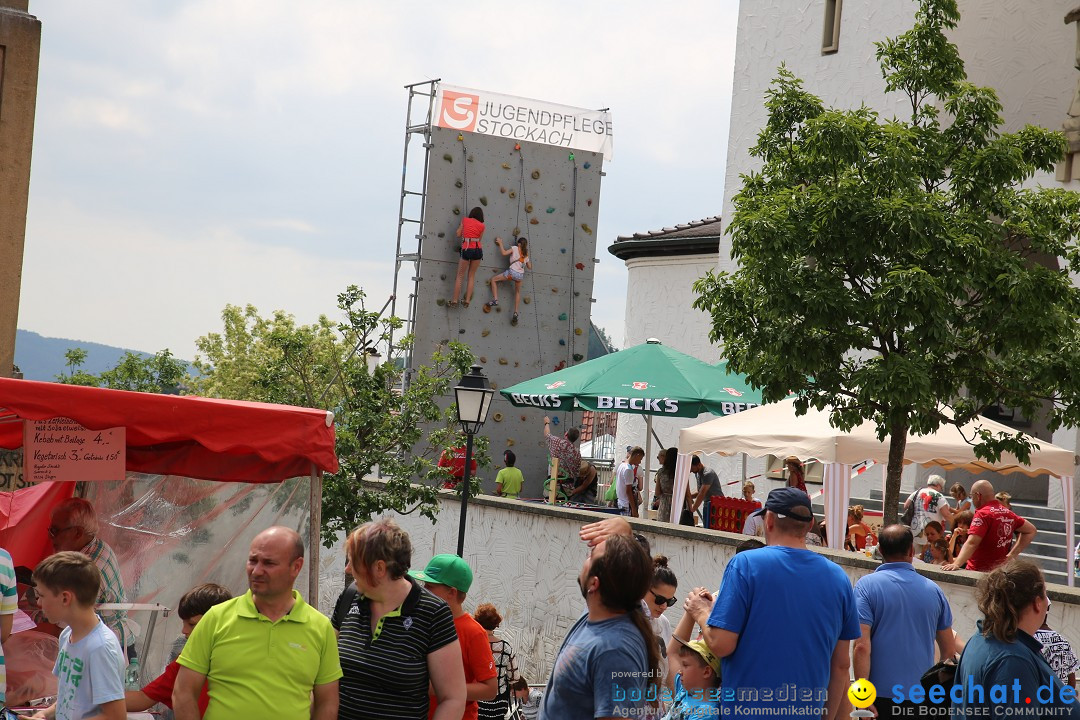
{"x": 775, "y": 429}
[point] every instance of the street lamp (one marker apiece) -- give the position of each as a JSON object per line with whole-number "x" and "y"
{"x": 473, "y": 395}
{"x": 373, "y": 359}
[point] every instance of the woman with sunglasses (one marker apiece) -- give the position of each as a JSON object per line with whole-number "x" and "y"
{"x": 660, "y": 597}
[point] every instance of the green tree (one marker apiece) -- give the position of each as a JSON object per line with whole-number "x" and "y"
{"x": 896, "y": 269}
{"x": 159, "y": 373}
{"x": 383, "y": 425}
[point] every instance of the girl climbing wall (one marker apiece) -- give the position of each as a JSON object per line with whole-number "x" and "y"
{"x": 470, "y": 231}
{"x": 519, "y": 260}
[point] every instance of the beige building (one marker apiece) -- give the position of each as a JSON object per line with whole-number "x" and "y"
{"x": 20, "y": 43}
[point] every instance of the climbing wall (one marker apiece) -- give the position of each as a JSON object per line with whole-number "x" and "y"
{"x": 549, "y": 195}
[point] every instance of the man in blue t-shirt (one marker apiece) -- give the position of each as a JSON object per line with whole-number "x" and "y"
{"x": 902, "y": 613}
{"x": 783, "y": 621}
{"x": 603, "y": 667}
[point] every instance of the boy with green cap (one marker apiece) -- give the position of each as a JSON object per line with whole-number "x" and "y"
{"x": 449, "y": 578}
{"x": 696, "y": 670}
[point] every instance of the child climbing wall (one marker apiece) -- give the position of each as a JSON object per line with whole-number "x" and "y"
{"x": 471, "y": 232}
{"x": 519, "y": 260}
{"x": 549, "y": 195}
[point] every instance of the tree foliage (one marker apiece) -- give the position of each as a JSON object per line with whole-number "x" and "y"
{"x": 381, "y": 427}
{"x": 897, "y": 269}
{"x": 159, "y": 373}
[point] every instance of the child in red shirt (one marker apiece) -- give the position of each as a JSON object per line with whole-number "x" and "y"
{"x": 448, "y": 578}
{"x": 193, "y": 605}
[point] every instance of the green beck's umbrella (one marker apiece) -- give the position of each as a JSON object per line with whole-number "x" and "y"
{"x": 647, "y": 379}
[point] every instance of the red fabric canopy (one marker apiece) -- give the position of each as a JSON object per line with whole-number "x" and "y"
{"x": 202, "y": 438}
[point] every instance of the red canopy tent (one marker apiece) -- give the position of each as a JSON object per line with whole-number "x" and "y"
{"x": 201, "y": 438}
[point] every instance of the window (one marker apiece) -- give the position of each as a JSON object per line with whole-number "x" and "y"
{"x": 830, "y": 40}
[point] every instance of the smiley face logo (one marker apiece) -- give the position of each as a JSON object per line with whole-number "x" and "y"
{"x": 862, "y": 693}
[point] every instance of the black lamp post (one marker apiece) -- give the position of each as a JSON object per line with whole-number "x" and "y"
{"x": 473, "y": 395}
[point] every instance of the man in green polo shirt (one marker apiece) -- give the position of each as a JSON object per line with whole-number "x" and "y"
{"x": 267, "y": 653}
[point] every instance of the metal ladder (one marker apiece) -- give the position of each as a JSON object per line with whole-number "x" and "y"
{"x": 418, "y": 117}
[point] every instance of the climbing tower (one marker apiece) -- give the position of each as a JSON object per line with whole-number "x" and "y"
{"x": 534, "y": 169}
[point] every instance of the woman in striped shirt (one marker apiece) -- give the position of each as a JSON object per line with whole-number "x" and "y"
{"x": 489, "y": 618}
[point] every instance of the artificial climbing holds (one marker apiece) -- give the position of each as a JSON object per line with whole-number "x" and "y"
{"x": 497, "y": 417}
{"x": 571, "y": 158}
{"x": 562, "y": 250}
{"x": 562, "y": 186}
{"x": 506, "y": 166}
{"x": 562, "y": 342}
{"x": 503, "y": 361}
{"x": 560, "y": 366}
{"x": 517, "y": 364}
{"x": 486, "y": 331}
{"x": 509, "y": 442}
{"x": 587, "y": 165}
{"x": 571, "y": 213}
{"x": 517, "y": 146}
{"x": 580, "y": 266}
{"x": 483, "y": 359}
{"x": 528, "y": 208}
{"x": 535, "y": 174}
{"x": 526, "y": 300}
{"x": 512, "y": 194}
{"x": 555, "y": 420}
{"x": 444, "y": 341}
{"x": 458, "y": 184}
{"x": 534, "y": 221}
{"x": 461, "y": 331}
{"x": 589, "y": 202}
{"x": 578, "y": 357}
{"x": 469, "y": 159}
{"x": 516, "y": 231}
{"x": 554, "y": 290}
{"x": 523, "y": 417}
{"x": 460, "y": 137}
{"x": 448, "y": 157}
{"x": 483, "y": 200}
{"x": 457, "y": 210}
{"x": 550, "y": 210}
{"x": 586, "y": 228}
{"x": 442, "y": 234}
{"x": 487, "y": 308}
{"x": 577, "y": 331}
{"x": 577, "y": 293}
{"x": 562, "y": 316}
{"x": 494, "y": 386}
{"x": 440, "y": 302}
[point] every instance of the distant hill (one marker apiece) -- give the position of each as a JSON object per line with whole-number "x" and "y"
{"x": 42, "y": 358}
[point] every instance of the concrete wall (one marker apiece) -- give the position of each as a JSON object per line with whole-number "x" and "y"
{"x": 20, "y": 45}
{"x": 526, "y": 558}
{"x": 556, "y": 294}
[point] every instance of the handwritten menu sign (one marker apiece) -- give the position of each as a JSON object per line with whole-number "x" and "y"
{"x": 61, "y": 449}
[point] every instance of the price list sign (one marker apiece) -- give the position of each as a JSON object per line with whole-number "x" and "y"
{"x": 62, "y": 450}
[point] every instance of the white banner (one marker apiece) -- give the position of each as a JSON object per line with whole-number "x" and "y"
{"x": 514, "y": 118}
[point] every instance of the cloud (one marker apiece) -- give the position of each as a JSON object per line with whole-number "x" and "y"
{"x": 189, "y": 154}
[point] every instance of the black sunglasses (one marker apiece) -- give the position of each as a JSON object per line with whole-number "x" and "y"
{"x": 661, "y": 600}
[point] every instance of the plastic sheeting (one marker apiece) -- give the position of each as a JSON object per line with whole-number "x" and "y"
{"x": 171, "y": 533}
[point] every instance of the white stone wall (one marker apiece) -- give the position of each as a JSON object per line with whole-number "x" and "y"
{"x": 526, "y": 559}
{"x": 653, "y": 285}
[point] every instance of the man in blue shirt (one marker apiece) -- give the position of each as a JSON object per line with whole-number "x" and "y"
{"x": 783, "y": 621}
{"x": 901, "y": 613}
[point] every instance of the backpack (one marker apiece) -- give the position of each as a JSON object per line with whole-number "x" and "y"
{"x": 343, "y": 604}
{"x": 909, "y": 511}
{"x": 943, "y": 674}
{"x": 612, "y": 494}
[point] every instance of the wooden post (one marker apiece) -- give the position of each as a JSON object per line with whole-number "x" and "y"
{"x": 314, "y": 536}
{"x": 553, "y": 484}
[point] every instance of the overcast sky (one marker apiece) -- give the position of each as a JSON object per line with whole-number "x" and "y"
{"x": 194, "y": 153}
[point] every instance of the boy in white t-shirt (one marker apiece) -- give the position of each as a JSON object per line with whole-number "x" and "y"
{"x": 90, "y": 666}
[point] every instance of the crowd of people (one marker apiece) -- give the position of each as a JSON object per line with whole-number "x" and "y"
{"x": 400, "y": 643}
